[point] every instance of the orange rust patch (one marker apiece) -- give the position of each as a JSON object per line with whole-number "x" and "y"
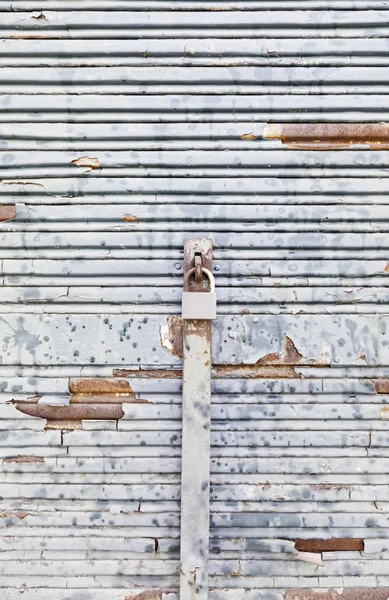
{"x": 241, "y": 371}
{"x": 331, "y": 486}
{"x": 31, "y": 37}
{"x": 386, "y": 269}
{"x": 130, "y": 218}
{"x": 346, "y": 594}
{"x": 327, "y": 136}
{"x": 384, "y": 412}
{"x": 73, "y": 412}
{"x": 148, "y": 374}
{"x": 256, "y": 371}
{"x": 149, "y": 595}
{"x": 98, "y": 399}
{"x": 99, "y": 385}
{"x": 289, "y": 355}
{"x": 334, "y": 545}
{"x": 24, "y": 459}
{"x": 70, "y": 425}
{"x": 381, "y": 386}
{"x": 172, "y": 336}
{"x": 19, "y": 514}
{"x": 7, "y": 213}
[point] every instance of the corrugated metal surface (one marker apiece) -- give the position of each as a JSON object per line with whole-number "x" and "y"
{"x": 125, "y": 128}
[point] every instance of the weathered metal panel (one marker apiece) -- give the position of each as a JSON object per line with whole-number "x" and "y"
{"x": 127, "y": 127}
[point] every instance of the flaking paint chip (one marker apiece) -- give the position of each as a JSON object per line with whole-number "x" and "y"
{"x": 85, "y": 161}
{"x": 248, "y": 137}
{"x": 130, "y": 218}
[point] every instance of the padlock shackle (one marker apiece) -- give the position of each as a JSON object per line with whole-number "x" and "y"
{"x": 207, "y": 272}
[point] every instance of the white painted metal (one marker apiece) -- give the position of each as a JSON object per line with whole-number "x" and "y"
{"x": 127, "y": 127}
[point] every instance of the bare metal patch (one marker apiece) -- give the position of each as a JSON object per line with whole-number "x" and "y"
{"x": 248, "y": 137}
{"x": 92, "y": 164}
{"x": 130, "y": 218}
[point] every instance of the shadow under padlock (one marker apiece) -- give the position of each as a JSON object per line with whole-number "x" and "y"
{"x": 199, "y": 305}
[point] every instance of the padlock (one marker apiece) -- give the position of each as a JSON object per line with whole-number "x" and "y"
{"x": 199, "y": 305}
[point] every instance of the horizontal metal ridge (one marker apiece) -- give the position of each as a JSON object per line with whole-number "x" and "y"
{"x": 192, "y": 5}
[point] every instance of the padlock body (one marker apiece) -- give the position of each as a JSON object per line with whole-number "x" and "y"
{"x": 199, "y": 305}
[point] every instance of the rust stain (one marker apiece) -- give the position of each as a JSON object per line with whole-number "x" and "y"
{"x": 148, "y": 374}
{"x": 30, "y": 37}
{"x": 326, "y": 136}
{"x": 333, "y": 545}
{"x": 384, "y": 412}
{"x": 172, "y": 336}
{"x": 149, "y": 595}
{"x": 19, "y": 514}
{"x": 381, "y": 386}
{"x": 289, "y": 355}
{"x": 91, "y": 399}
{"x": 24, "y": 459}
{"x": 386, "y": 269}
{"x": 241, "y": 371}
{"x": 73, "y": 411}
{"x": 256, "y": 371}
{"x": 331, "y": 486}
{"x": 7, "y": 213}
{"x": 99, "y": 385}
{"x": 248, "y": 137}
{"x": 103, "y": 399}
{"x": 379, "y": 593}
{"x": 130, "y": 218}
{"x": 85, "y": 161}
{"x": 64, "y": 425}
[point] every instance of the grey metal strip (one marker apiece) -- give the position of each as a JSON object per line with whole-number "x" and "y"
{"x": 195, "y": 478}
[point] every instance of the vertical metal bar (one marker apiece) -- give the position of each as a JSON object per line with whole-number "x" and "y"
{"x": 196, "y": 420}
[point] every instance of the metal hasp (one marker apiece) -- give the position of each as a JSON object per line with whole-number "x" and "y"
{"x": 196, "y": 420}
